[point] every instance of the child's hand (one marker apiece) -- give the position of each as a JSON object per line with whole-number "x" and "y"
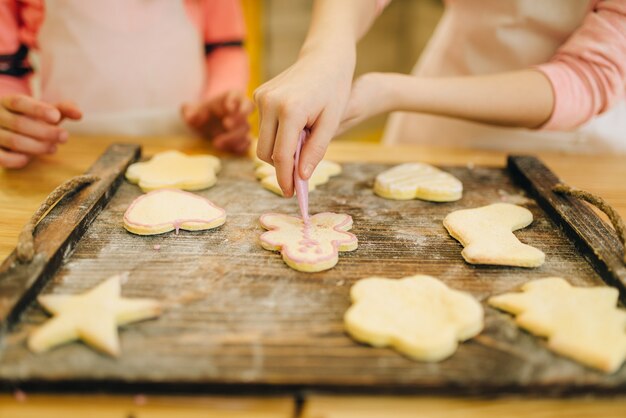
{"x": 312, "y": 93}
{"x": 28, "y": 127}
{"x": 369, "y": 97}
{"x": 224, "y": 119}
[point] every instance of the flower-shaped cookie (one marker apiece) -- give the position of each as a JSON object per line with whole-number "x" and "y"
{"x": 175, "y": 170}
{"x": 266, "y": 173}
{"x": 419, "y": 316}
{"x": 582, "y": 323}
{"x": 418, "y": 180}
{"x": 311, "y": 247}
{"x": 171, "y": 209}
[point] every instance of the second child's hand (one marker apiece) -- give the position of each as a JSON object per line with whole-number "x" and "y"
{"x": 29, "y": 127}
{"x": 223, "y": 119}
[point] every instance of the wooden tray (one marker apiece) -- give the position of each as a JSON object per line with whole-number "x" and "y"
{"x": 239, "y": 319}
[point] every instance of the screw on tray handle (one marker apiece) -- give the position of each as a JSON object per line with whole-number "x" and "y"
{"x": 26, "y": 243}
{"x": 601, "y": 204}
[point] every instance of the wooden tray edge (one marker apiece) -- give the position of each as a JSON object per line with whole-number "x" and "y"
{"x": 590, "y": 234}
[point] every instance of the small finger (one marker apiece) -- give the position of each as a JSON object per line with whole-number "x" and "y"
{"x": 315, "y": 147}
{"x": 246, "y": 107}
{"x": 243, "y": 146}
{"x": 23, "y": 144}
{"x": 231, "y": 101}
{"x": 267, "y": 136}
{"x": 33, "y": 108}
{"x": 289, "y": 129}
{"x": 69, "y": 110}
{"x": 231, "y": 139}
{"x": 26, "y": 126}
{"x": 10, "y": 159}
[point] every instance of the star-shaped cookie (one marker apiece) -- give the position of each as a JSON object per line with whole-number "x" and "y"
{"x": 175, "y": 170}
{"x": 92, "y": 317}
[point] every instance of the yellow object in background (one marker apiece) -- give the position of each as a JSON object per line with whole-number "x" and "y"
{"x": 253, "y": 14}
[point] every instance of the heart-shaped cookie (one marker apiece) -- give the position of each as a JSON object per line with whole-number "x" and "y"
{"x": 418, "y": 180}
{"x": 171, "y": 209}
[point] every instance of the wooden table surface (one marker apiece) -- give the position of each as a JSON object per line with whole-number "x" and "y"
{"x": 22, "y": 191}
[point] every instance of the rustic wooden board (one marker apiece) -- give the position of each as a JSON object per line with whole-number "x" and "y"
{"x": 238, "y": 318}
{"x": 595, "y": 239}
{"x": 56, "y": 235}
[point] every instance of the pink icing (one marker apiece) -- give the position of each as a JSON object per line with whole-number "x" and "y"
{"x": 301, "y": 185}
{"x": 176, "y": 223}
{"x": 285, "y": 250}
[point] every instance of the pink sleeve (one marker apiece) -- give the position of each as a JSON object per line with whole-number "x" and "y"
{"x": 19, "y": 23}
{"x": 222, "y": 24}
{"x": 380, "y": 6}
{"x": 588, "y": 73}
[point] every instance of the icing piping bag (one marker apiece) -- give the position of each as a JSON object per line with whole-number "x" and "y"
{"x": 302, "y": 186}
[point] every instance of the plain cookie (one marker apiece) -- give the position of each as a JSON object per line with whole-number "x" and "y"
{"x": 323, "y": 172}
{"x": 419, "y": 316}
{"x": 92, "y": 317}
{"x": 487, "y": 235}
{"x": 175, "y": 170}
{"x": 418, "y": 180}
{"x": 582, "y": 323}
{"x": 170, "y": 209}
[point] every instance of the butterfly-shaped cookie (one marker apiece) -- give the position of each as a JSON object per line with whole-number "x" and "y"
{"x": 310, "y": 248}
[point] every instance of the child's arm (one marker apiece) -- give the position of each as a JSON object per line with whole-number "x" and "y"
{"x": 314, "y": 91}
{"x": 584, "y": 78}
{"x": 227, "y": 63}
{"x": 521, "y": 98}
{"x": 588, "y": 73}
{"x": 27, "y": 126}
{"x": 222, "y": 112}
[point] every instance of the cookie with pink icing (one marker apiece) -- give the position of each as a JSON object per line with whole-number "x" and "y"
{"x": 171, "y": 209}
{"x": 309, "y": 247}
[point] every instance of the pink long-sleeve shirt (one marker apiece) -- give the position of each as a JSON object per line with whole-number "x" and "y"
{"x": 588, "y": 72}
{"x": 220, "y": 23}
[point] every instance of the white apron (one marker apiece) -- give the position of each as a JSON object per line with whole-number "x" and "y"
{"x": 489, "y": 36}
{"x": 128, "y": 64}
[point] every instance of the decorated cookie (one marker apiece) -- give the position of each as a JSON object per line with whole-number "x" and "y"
{"x": 311, "y": 247}
{"x": 487, "y": 235}
{"x": 175, "y": 170}
{"x": 323, "y": 172}
{"x": 170, "y": 209}
{"x": 418, "y": 180}
{"x": 419, "y": 316}
{"x": 92, "y": 317}
{"x": 583, "y": 324}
